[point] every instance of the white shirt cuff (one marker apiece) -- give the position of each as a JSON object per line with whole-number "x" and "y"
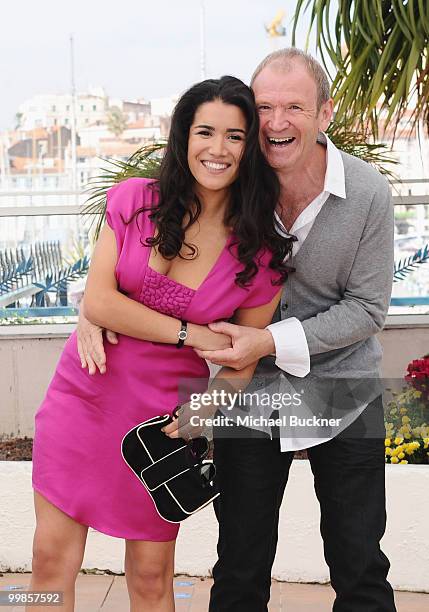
{"x": 292, "y": 354}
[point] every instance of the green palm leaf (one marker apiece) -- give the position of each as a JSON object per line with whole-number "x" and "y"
{"x": 405, "y": 266}
{"x": 380, "y": 50}
{"x": 143, "y": 163}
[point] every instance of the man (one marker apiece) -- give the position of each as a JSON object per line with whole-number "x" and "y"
{"x": 334, "y": 303}
{"x": 339, "y": 209}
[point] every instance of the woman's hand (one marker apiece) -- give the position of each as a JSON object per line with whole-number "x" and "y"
{"x": 190, "y": 423}
{"x": 204, "y": 339}
{"x": 90, "y": 343}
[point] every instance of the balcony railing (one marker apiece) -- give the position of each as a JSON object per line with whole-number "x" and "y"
{"x": 27, "y": 217}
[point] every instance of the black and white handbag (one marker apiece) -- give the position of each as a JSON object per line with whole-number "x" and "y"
{"x": 175, "y": 473}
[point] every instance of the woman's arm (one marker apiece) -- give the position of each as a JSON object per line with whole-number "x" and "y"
{"x": 107, "y": 307}
{"x": 227, "y": 379}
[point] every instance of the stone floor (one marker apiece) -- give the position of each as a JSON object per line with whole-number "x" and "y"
{"x": 108, "y": 593}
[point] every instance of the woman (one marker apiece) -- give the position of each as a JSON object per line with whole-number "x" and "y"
{"x": 188, "y": 249}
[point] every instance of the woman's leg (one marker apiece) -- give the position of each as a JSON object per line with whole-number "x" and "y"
{"x": 149, "y": 570}
{"x": 58, "y": 549}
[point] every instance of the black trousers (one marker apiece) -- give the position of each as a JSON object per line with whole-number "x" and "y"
{"x": 349, "y": 481}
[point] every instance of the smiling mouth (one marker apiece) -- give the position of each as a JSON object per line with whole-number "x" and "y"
{"x": 280, "y": 142}
{"x": 215, "y": 167}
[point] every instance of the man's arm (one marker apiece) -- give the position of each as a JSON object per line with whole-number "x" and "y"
{"x": 362, "y": 310}
{"x": 358, "y": 315}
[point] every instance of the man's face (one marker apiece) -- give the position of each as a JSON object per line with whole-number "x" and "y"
{"x": 289, "y": 119}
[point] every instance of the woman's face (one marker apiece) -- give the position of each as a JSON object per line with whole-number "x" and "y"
{"x": 216, "y": 143}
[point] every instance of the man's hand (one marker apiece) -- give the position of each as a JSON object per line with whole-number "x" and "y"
{"x": 249, "y": 344}
{"x": 90, "y": 344}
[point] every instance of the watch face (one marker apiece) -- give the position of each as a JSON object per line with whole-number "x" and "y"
{"x": 183, "y": 334}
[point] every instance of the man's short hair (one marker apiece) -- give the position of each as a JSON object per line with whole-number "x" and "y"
{"x": 285, "y": 57}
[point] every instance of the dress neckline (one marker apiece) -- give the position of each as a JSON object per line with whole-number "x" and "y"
{"x": 208, "y": 275}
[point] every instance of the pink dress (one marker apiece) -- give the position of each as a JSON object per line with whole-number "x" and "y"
{"x": 77, "y": 462}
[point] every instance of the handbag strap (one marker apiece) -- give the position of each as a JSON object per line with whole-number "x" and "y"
{"x": 165, "y": 469}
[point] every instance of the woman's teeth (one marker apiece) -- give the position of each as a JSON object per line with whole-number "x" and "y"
{"x": 214, "y": 165}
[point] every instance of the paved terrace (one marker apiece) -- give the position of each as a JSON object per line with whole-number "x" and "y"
{"x": 108, "y": 593}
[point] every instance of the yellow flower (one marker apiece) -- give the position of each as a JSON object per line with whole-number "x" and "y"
{"x": 403, "y": 410}
{"x": 387, "y": 442}
{"x": 404, "y": 461}
{"x": 398, "y": 440}
{"x": 401, "y": 455}
{"x": 388, "y": 451}
{"x": 417, "y": 393}
{"x": 406, "y": 419}
{"x": 405, "y": 429}
{"x": 393, "y": 411}
{"x": 426, "y": 442}
{"x": 394, "y": 460}
{"x": 407, "y": 436}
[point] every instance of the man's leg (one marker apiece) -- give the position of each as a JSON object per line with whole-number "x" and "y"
{"x": 349, "y": 479}
{"x": 252, "y": 474}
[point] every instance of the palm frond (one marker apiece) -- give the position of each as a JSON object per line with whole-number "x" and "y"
{"x": 143, "y": 163}
{"x": 380, "y": 51}
{"x": 355, "y": 141}
{"x": 405, "y": 266}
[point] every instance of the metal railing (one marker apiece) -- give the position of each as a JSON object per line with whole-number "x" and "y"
{"x": 42, "y": 210}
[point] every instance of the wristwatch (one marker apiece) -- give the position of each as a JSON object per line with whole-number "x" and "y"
{"x": 182, "y": 334}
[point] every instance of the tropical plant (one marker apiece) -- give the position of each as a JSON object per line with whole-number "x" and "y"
{"x": 355, "y": 141}
{"x": 380, "y": 51}
{"x": 407, "y": 265}
{"x": 56, "y": 282}
{"x": 143, "y": 163}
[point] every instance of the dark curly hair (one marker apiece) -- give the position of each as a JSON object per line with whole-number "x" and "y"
{"x": 253, "y": 195}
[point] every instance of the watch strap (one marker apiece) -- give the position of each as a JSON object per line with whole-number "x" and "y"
{"x": 182, "y": 334}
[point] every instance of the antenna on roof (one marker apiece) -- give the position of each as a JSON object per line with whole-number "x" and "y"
{"x": 73, "y": 119}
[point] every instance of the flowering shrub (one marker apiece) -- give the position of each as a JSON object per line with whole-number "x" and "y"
{"x": 407, "y": 418}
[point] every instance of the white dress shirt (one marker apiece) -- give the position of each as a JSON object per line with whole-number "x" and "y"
{"x": 292, "y": 354}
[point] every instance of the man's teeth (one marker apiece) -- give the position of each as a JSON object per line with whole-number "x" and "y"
{"x": 281, "y": 140}
{"x": 214, "y": 165}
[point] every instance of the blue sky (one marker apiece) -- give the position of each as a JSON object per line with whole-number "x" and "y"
{"x": 132, "y": 48}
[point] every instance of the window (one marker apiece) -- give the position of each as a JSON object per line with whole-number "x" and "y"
{"x": 94, "y": 107}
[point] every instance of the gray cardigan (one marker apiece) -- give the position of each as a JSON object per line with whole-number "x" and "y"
{"x": 341, "y": 288}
